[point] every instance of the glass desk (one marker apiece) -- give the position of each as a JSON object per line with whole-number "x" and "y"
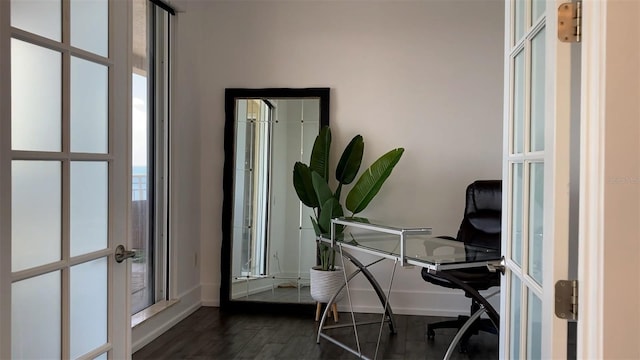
{"x": 407, "y": 246}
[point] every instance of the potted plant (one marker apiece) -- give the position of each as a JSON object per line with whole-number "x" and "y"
{"x": 311, "y": 183}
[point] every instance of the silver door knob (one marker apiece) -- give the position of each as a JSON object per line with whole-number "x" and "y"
{"x": 122, "y": 254}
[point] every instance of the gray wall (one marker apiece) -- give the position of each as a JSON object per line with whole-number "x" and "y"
{"x": 425, "y": 75}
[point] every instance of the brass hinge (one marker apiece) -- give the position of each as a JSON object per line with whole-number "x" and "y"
{"x": 567, "y": 299}
{"x": 570, "y": 22}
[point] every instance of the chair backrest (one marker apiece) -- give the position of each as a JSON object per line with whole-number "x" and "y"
{"x": 482, "y": 220}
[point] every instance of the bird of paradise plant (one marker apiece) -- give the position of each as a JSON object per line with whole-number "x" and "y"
{"x": 311, "y": 183}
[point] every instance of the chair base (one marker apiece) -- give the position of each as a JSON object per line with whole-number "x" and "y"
{"x": 480, "y": 325}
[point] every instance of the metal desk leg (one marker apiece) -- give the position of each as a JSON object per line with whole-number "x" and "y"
{"x": 386, "y": 305}
{"x": 388, "y": 313}
{"x": 376, "y": 286}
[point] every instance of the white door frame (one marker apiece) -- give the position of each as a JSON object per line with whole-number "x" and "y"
{"x": 119, "y": 331}
{"x": 610, "y": 177}
{"x": 591, "y": 235}
{"x": 5, "y": 183}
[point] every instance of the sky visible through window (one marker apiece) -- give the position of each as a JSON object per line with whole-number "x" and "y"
{"x": 139, "y": 136}
{"x": 139, "y": 119}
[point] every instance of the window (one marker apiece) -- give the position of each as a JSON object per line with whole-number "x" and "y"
{"x": 149, "y": 155}
{"x": 254, "y": 134}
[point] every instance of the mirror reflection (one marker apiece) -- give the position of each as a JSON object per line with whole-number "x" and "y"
{"x": 271, "y": 244}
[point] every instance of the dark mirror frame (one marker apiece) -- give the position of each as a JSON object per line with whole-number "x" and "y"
{"x": 231, "y": 94}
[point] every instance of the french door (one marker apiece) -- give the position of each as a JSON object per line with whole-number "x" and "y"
{"x": 63, "y": 179}
{"x": 536, "y": 170}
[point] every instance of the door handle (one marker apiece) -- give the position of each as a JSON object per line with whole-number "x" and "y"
{"x": 121, "y": 254}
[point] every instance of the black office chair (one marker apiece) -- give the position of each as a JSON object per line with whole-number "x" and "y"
{"x": 480, "y": 227}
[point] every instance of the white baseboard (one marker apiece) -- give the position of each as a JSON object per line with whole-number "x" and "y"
{"x": 189, "y": 302}
{"x": 404, "y": 310}
{"x": 430, "y": 301}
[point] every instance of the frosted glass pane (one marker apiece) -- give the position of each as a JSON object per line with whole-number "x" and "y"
{"x": 88, "y": 305}
{"x": 519, "y": 19}
{"x": 36, "y": 213}
{"x": 515, "y": 318}
{"x": 35, "y": 318}
{"x": 90, "y": 25}
{"x": 89, "y": 206}
{"x": 537, "y": 91}
{"x": 41, "y": 17}
{"x": 534, "y": 327}
{"x": 536, "y": 218}
{"x": 516, "y": 214}
{"x": 538, "y": 9}
{"x": 518, "y": 103}
{"x": 35, "y": 115}
{"x": 101, "y": 357}
{"x": 89, "y": 106}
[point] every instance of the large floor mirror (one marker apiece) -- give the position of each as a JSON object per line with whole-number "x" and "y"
{"x": 268, "y": 242}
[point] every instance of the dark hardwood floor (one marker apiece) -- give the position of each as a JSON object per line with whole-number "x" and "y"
{"x": 211, "y": 334}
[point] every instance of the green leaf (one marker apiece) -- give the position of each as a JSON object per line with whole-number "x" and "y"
{"x": 371, "y": 181}
{"x": 325, "y": 253}
{"x": 353, "y": 240}
{"x": 321, "y": 188}
{"x": 316, "y": 228}
{"x": 350, "y": 161}
{"x": 330, "y": 209}
{"x": 303, "y": 184}
{"x": 319, "y": 161}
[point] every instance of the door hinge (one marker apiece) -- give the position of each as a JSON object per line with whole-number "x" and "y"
{"x": 570, "y": 22}
{"x": 567, "y": 299}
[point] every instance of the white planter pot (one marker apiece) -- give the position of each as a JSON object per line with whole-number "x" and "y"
{"x": 325, "y": 283}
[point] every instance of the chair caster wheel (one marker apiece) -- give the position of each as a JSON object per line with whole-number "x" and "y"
{"x": 431, "y": 334}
